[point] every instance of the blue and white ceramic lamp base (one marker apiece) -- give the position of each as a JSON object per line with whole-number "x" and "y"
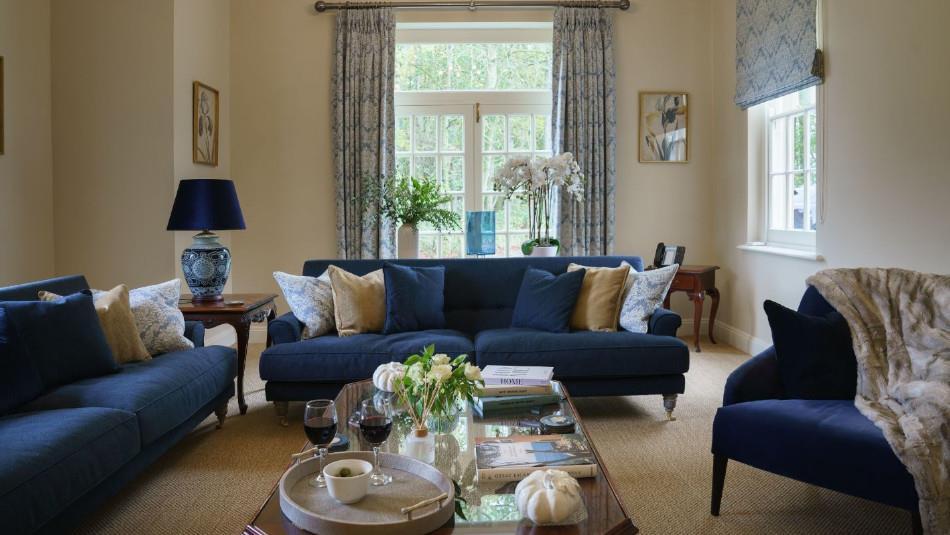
{"x": 206, "y": 265}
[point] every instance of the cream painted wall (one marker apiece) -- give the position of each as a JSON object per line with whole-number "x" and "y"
{"x": 281, "y": 64}
{"x": 202, "y": 52}
{"x": 887, "y": 184}
{"x": 26, "y": 168}
{"x": 113, "y": 139}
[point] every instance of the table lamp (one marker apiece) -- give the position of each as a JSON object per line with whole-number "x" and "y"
{"x": 206, "y": 204}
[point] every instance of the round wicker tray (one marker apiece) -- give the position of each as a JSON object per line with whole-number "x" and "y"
{"x": 316, "y": 511}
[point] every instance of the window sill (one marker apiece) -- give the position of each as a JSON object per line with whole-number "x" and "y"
{"x": 782, "y": 251}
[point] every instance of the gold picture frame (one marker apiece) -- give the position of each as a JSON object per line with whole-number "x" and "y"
{"x": 663, "y": 127}
{"x": 205, "y": 125}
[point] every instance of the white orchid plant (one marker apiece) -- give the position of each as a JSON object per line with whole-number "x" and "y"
{"x": 538, "y": 181}
{"x": 432, "y": 383}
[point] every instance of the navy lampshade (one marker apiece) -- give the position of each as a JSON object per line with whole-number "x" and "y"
{"x": 206, "y": 204}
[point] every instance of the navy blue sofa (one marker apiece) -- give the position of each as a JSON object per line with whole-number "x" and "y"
{"x": 64, "y": 453}
{"x": 479, "y": 299}
{"x": 828, "y": 443}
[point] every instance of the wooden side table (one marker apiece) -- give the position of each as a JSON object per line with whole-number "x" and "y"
{"x": 697, "y": 282}
{"x": 238, "y": 311}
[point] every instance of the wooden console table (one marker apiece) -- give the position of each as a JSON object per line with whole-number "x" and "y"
{"x": 697, "y": 282}
{"x": 238, "y": 311}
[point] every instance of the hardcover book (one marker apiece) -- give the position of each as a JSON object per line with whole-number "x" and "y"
{"x": 494, "y": 374}
{"x": 514, "y": 390}
{"x": 513, "y": 458}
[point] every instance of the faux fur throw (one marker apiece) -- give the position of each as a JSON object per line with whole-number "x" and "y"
{"x": 900, "y": 326}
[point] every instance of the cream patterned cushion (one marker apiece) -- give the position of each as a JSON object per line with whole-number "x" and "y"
{"x": 644, "y": 292}
{"x": 161, "y": 324}
{"x": 311, "y": 301}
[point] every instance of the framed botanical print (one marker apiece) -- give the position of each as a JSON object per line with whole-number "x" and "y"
{"x": 204, "y": 138}
{"x": 664, "y": 125}
{"x": 1, "y": 105}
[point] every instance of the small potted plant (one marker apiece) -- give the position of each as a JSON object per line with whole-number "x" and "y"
{"x": 538, "y": 181}
{"x": 407, "y": 202}
{"x": 432, "y": 385}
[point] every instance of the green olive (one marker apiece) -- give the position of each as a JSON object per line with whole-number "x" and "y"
{"x": 345, "y": 472}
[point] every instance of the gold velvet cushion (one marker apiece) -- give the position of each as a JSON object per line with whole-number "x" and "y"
{"x": 598, "y": 304}
{"x": 359, "y": 303}
{"x": 118, "y": 324}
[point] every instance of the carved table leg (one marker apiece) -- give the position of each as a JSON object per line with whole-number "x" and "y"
{"x": 714, "y": 294}
{"x": 243, "y": 329}
{"x": 697, "y": 299}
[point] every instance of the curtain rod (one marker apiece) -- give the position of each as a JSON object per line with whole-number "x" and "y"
{"x": 472, "y": 5}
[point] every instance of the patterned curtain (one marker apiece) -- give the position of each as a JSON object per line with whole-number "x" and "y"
{"x": 363, "y": 129}
{"x": 584, "y": 123}
{"x": 776, "y": 49}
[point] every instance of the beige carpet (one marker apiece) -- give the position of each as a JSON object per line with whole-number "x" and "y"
{"x": 214, "y": 480}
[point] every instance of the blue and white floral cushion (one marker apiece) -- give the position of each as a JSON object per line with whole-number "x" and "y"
{"x": 311, "y": 301}
{"x": 161, "y": 324}
{"x": 644, "y": 292}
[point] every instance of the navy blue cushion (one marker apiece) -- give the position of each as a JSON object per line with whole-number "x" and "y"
{"x": 815, "y": 356}
{"x": 546, "y": 301}
{"x": 823, "y": 442}
{"x": 63, "y": 338}
{"x": 163, "y": 392}
{"x": 414, "y": 298}
{"x": 49, "y": 459}
{"x": 814, "y": 304}
{"x": 19, "y": 379}
{"x": 352, "y": 358}
{"x": 584, "y": 354}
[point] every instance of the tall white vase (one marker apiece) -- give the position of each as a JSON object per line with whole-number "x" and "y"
{"x": 544, "y": 251}
{"x": 407, "y": 242}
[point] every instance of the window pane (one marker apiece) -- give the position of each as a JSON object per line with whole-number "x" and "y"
{"x": 798, "y": 202}
{"x": 402, "y": 134}
{"x": 468, "y": 66}
{"x": 813, "y": 139}
{"x": 490, "y": 164}
{"x": 519, "y": 127}
{"x": 452, "y": 246}
{"x": 799, "y": 142}
{"x": 425, "y": 132}
{"x": 453, "y": 173}
{"x": 518, "y": 214}
{"x": 493, "y": 133}
{"x": 453, "y": 132}
{"x": 427, "y": 246}
{"x": 496, "y": 203}
{"x": 777, "y": 152}
{"x": 514, "y": 244}
{"x": 402, "y": 166}
{"x": 812, "y": 201}
{"x": 425, "y": 167}
{"x": 542, "y": 133}
{"x": 777, "y": 202}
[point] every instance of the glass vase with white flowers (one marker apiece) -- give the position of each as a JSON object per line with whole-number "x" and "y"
{"x": 539, "y": 181}
{"x": 433, "y": 384}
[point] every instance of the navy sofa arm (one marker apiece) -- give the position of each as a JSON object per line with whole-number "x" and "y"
{"x": 756, "y": 379}
{"x": 195, "y": 331}
{"x": 664, "y": 322}
{"x": 285, "y": 329}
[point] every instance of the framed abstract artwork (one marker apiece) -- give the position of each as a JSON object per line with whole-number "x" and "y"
{"x": 204, "y": 140}
{"x": 664, "y": 125}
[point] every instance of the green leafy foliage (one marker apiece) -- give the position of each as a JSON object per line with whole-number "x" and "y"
{"x": 411, "y": 201}
{"x": 473, "y": 66}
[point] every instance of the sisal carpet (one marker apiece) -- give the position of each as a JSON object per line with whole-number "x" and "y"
{"x": 215, "y": 479}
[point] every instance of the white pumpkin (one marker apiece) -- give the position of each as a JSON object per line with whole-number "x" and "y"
{"x": 548, "y": 496}
{"x": 386, "y": 375}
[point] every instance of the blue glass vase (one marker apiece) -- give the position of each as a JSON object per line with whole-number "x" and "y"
{"x": 480, "y": 233}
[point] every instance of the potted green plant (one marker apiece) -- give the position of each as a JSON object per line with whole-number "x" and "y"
{"x": 538, "y": 181}
{"x": 407, "y": 202}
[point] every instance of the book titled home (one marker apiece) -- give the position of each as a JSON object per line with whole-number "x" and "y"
{"x": 494, "y": 374}
{"x": 513, "y": 458}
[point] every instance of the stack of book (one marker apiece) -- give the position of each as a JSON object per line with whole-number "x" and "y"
{"x": 515, "y": 387}
{"x": 513, "y": 458}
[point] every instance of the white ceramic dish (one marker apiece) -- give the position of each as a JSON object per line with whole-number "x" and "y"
{"x": 352, "y": 488}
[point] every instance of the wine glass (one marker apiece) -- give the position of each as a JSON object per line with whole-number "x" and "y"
{"x": 319, "y": 421}
{"x": 376, "y": 421}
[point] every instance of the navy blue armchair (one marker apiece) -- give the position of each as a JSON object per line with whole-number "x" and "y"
{"x": 828, "y": 443}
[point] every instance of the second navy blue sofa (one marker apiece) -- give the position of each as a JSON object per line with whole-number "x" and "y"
{"x": 480, "y": 296}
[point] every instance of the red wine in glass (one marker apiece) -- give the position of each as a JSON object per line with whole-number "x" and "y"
{"x": 376, "y": 429}
{"x": 320, "y": 430}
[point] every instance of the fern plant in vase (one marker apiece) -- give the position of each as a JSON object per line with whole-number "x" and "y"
{"x": 408, "y": 202}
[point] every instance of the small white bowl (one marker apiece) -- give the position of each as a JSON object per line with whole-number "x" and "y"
{"x": 350, "y": 489}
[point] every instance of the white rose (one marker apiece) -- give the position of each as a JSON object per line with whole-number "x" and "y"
{"x": 440, "y": 359}
{"x": 440, "y": 373}
{"x": 415, "y": 373}
{"x": 473, "y": 373}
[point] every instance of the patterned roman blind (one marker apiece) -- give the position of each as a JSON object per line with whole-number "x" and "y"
{"x": 776, "y": 49}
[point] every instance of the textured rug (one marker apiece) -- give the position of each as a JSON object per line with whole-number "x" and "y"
{"x": 214, "y": 480}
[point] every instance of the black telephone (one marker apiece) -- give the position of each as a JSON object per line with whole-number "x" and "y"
{"x": 667, "y": 255}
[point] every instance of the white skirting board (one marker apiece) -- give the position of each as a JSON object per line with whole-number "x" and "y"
{"x": 224, "y": 335}
{"x": 727, "y": 334}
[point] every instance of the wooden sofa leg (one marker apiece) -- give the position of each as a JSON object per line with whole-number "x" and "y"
{"x": 916, "y": 526}
{"x": 282, "y": 407}
{"x": 718, "y": 482}
{"x": 669, "y": 403}
{"x": 221, "y": 411}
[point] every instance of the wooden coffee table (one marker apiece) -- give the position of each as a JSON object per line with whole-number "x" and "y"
{"x": 491, "y": 507}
